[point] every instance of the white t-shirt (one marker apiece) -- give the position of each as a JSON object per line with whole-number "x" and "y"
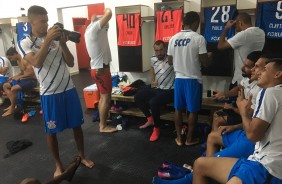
{"x": 97, "y": 44}
{"x": 268, "y": 151}
{"x": 250, "y": 89}
{"x": 53, "y": 75}
{"x": 243, "y": 43}
{"x": 4, "y": 62}
{"x": 164, "y": 73}
{"x": 185, "y": 48}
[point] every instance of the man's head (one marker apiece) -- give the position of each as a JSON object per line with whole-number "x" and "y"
{"x": 191, "y": 20}
{"x": 38, "y": 19}
{"x": 259, "y": 66}
{"x": 12, "y": 54}
{"x": 243, "y": 21}
{"x": 249, "y": 63}
{"x": 160, "y": 49}
{"x": 271, "y": 75}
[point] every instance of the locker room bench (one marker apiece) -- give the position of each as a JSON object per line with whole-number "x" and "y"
{"x": 207, "y": 103}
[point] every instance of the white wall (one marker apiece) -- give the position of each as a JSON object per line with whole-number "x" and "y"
{"x": 66, "y": 19}
{"x": 6, "y": 38}
{"x": 53, "y": 6}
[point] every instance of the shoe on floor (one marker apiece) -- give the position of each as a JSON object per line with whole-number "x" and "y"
{"x": 155, "y": 135}
{"x": 168, "y": 173}
{"x": 147, "y": 124}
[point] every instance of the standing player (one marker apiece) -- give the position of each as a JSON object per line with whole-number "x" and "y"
{"x": 59, "y": 99}
{"x": 97, "y": 44}
{"x": 247, "y": 40}
{"x": 187, "y": 51}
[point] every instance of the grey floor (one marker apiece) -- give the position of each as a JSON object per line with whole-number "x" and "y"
{"x": 120, "y": 158}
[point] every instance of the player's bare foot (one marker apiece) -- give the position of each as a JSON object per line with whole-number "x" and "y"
{"x": 193, "y": 142}
{"x": 7, "y": 108}
{"x": 178, "y": 142}
{"x": 87, "y": 163}
{"x": 108, "y": 129}
{"x": 58, "y": 172}
{"x": 8, "y": 112}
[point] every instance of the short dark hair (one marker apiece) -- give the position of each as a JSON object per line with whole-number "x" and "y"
{"x": 11, "y": 51}
{"x": 244, "y": 17}
{"x": 254, "y": 56}
{"x": 160, "y": 42}
{"x": 36, "y": 10}
{"x": 190, "y": 18}
{"x": 277, "y": 63}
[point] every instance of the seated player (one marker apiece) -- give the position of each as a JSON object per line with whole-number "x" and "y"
{"x": 264, "y": 128}
{"x": 161, "y": 91}
{"x": 25, "y": 80}
{"x": 229, "y": 115}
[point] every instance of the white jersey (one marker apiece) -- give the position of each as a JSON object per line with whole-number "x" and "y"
{"x": 268, "y": 151}
{"x": 250, "y": 89}
{"x": 185, "y": 48}
{"x": 53, "y": 75}
{"x": 97, "y": 44}
{"x": 164, "y": 73}
{"x": 243, "y": 43}
{"x": 4, "y": 62}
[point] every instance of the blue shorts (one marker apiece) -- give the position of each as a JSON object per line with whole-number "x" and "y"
{"x": 250, "y": 172}
{"x": 187, "y": 94}
{"x": 61, "y": 111}
{"x": 236, "y": 145}
{"x": 26, "y": 84}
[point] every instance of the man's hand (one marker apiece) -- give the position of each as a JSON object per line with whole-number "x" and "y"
{"x": 228, "y": 106}
{"x": 154, "y": 84}
{"x": 15, "y": 78}
{"x": 230, "y": 24}
{"x": 63, "y": 38}
{"x": 243, "y": 104}
{"x": 219, "y": 95}
{"x": 100, "y": 72}
{"x": 225, "y": 129}
{"x": 54, "y": 33}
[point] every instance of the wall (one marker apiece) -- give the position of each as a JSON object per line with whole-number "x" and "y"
{"x": 6, "y": 38}
{"x": 67, "y": 15}
{"x": 56, "y": 11}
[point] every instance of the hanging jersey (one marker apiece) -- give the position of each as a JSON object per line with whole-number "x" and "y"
{"x": 23, "y": 29}
{"x": 53, "y": 75}
{"x": 129, "y": 29}
{"x": 215, "y": 20}
{"x": 269, "y": 18}
{"x": 169, "y": 23}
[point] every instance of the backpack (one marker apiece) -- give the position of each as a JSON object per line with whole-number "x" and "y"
{"x": 16, "y": 146}
{"x": 132, "y": 89}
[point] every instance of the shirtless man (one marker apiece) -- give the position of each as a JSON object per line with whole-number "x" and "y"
{"x": 22, "y": 81}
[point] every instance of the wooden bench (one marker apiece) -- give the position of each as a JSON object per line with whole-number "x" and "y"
{"x": 207, "y": 103}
